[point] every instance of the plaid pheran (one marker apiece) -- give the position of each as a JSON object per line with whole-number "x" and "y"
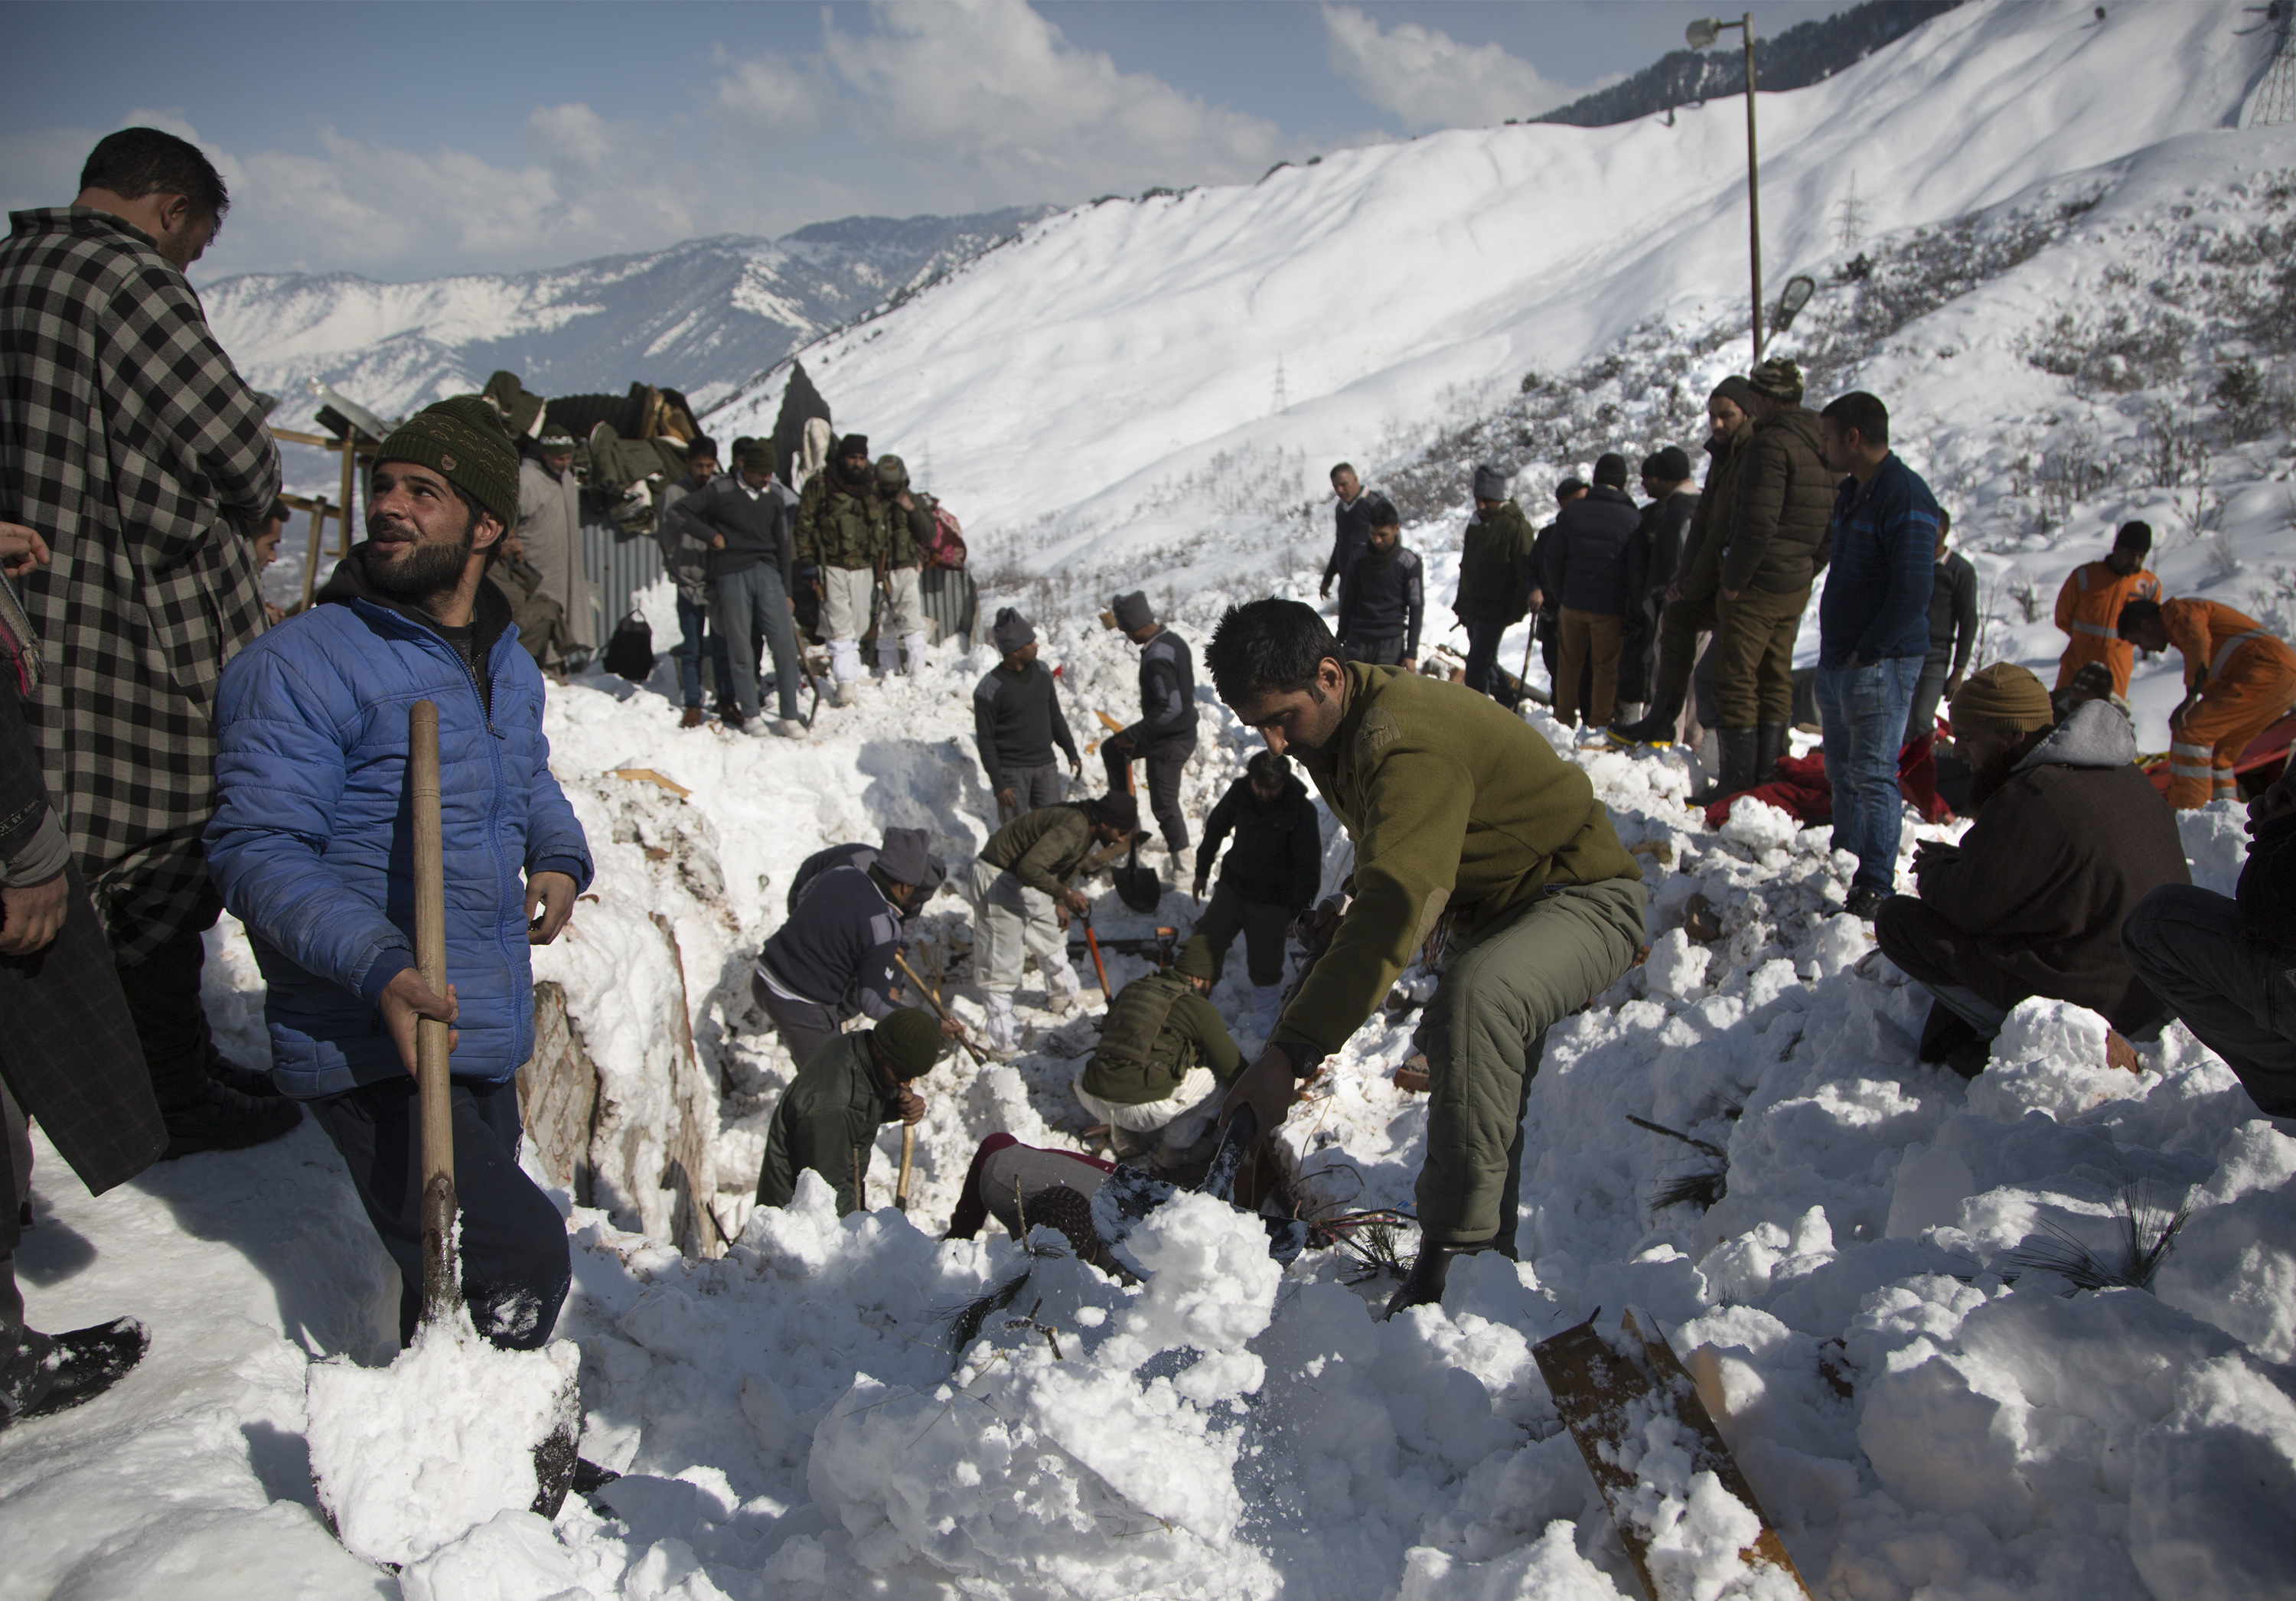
{"x": 128, "y": 439}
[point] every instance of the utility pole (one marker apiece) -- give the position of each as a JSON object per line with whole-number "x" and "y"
{"x": 1701, "y": 36}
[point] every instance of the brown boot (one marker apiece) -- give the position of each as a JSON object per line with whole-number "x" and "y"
{"x": 2119, "y": 1053}
{"x": 692, "y": 718}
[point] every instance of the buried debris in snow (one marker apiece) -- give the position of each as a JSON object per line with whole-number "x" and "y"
{"x": 1687, "y": 1516}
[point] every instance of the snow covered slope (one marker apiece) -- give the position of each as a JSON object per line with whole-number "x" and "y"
{"x": 1109, "y": 385}
{"x": 701, "y": 316}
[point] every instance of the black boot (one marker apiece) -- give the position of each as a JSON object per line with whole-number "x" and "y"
{"x": 1769, "y": 747}
{"x": 74, "y": 1367}
{"x": 224, "y": 1120}
{"x": 1655, "y": 727}
{"x": 1738, "y": 747}
{"x": 1424, "y": 1285}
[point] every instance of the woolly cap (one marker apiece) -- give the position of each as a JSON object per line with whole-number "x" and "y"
{"x": 1611, "y": 469}
{"x": 462, "y": 437}
{"x": 2136, "y": 536}
{"x": 909, "y": 1041}
{"x": 1568, "y": 490}
{"x": 852, "y": 444}
{"x": 1012, "y": 632}
{"x": 556, "y": 442}
{"x": 1133, "y": 612}
{"x": 1195, "y": 958}
{"x": 1118, "y": 811}
{"x": 892, "y": 475}
{"x": 759, "y": 456}
{"x": 1491, "y": 481}
{"x": 1666, "y": 466}
{"x": 1735, "y": 389}
{"x": 2001, "y": 699}
{"x": 903, "y": 858}
{"x": 1777, "y": 379}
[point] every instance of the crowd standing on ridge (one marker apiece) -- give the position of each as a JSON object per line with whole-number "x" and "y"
{"x": 170, "y": 747}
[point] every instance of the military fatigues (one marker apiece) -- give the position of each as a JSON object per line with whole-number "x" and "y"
{"x": 827, "y": 1121}
{"x": 1163, "y": 1052}
{"x": 1459, "y": 811}
{"x": 844, "y": 536}
{"x": 901, "y": 624}
{"x": 1022, "y": 870}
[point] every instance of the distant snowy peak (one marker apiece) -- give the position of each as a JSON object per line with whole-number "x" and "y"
{"x": 701, "y": 316}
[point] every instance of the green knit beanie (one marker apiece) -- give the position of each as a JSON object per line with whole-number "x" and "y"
{"x": 463, "y": 439}
{"x": 910, "y": 1040}
{"x": 1195, "y": 958}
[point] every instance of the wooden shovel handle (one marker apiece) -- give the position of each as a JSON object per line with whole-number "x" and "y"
{"x": 441, "y": 1285}
{"x": 932, "y": 996}
{"x": 908, "y": 1156}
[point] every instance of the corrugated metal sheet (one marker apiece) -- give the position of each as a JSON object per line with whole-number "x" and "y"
{"x": 619, "y": 565}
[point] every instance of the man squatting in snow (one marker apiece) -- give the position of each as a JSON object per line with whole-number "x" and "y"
{"x": 1268, "y": 879}
{"x": 312, "y": 849}
{"x": 1465, "y": 822}
{"x": 1022, "y": 889}
{"x": 832, "y": 958}
{"x": 1163, "y": 1059}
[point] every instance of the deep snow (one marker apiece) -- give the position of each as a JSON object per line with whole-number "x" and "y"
{"x": 790, "y": 1417}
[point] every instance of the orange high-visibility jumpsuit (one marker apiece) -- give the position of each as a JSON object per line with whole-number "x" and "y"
{"x": 2245, "y": 680}
{"x": 2089, "y": 609}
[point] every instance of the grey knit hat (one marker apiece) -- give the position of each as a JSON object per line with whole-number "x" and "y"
{"x": 1011, "y": 632}
{"x": 1133, "y": 612}
{"x": 1491, "y": 481}
{"x": 903, "y": 858}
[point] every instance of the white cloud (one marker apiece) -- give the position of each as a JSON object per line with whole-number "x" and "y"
{"x": 774, "y": 99}
{"x": 1429, "y": 78}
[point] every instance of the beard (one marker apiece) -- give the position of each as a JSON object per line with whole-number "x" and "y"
{"x": 425, "y": 572}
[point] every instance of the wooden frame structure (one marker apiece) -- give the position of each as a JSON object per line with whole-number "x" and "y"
{"x": 354, "y": 450}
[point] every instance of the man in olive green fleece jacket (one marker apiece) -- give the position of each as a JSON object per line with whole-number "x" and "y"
{"x": 828, "y": 1117}
{"x": 1460, "y": 815}
{"x": 1164, "y": 1054}
{"x": 1022, "y": 896}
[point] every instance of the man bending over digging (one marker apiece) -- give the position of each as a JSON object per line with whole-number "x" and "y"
{"x": 1462, "y": 818}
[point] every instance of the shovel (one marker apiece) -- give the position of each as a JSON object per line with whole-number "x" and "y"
{"x": 1607, "y": 1394}
{"x": 1098, "y": 966}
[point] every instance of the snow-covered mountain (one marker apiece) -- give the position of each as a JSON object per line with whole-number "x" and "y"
{"x": 701, "y": 316}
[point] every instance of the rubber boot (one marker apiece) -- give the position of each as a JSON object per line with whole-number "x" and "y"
{"x": 1769, "y": 747}
{"x": 1003, "y": 1029}
{"x": 1656, "y": 726}
{"x": 1424, "y": 1285}
{"x": 1266, "y": 1007}
{"x": 1737, "y": 747}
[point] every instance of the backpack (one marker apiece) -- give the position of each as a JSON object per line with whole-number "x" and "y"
{"x": 629, "y": 653}
{"x": 948, "y": 547}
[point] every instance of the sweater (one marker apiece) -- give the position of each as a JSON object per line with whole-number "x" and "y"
{"x": 1351, "y": 532}
{"x": 1278, "y": 858}
{"x": 1167, "y": 689}
{"x": 755, "y": 523}
{"x": 1017, "y": 720}
{"x": 1589, "y": 561}
{"x": 836, "y": 948}
{"x": 1383, "y": 597}
{"x": 2266, "y": 891}
{"x": 1877, "y": 597}
{"x": 1456, "y": 805}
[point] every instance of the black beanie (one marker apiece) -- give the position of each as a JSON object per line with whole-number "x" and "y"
{"x": 1611, "y": 469}
{"x": 852, "y": 444}
{"x": 2134, "y": 536}
{"x": 1117, "y": 809}
{"x": 910, "y": 1041}
{"x": 1666, "y": 466}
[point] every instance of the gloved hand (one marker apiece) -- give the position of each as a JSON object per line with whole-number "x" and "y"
{"x": 1424, "y": 1285}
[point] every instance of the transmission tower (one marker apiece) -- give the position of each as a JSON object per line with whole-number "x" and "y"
{"x": 2274, "y": 100}
{"x": 1282, "y": 399}
{"x": 1850, "y": 218}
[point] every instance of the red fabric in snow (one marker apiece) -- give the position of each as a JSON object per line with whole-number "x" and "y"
{"x": 1799, "y": 786}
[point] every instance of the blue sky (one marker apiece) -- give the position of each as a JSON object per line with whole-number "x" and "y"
{"x": 407, "y": 140}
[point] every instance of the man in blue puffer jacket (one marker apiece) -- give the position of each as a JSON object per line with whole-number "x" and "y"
{"x": 312, "y": 847}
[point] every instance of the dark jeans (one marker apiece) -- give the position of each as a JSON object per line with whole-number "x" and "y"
{"x": 1679, "y": 625}
{"x": 515, "y": 1263}
{"x": 1378, "y": 653}
{"x": 804, "y": 1026}
{"x": 751, "y": 603}
{"x": 693, "y": 619}
{"x": 2191, "y": 947}
{"x": 1031, "y": 788}
{"x": 1928, "y": 689}
{"x": 163, "y": 1001}
{"x": 1482, "y": 652}
{"x": 1262, "y": 927}
{"x": 1165, "y": 759}
{"x": 1864, "y": 710}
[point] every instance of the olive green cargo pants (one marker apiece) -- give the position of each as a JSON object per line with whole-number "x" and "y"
{"x": 1486, "y": 1026}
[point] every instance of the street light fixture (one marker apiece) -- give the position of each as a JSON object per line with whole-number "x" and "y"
{"x": 1701, "y": 35}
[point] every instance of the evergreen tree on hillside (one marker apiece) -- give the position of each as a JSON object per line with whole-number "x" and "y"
{"x": 801, "y": 402}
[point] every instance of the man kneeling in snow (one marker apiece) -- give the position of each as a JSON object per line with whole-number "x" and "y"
{"x": 1462, "y": 818}
{"x": 312, "y": 846}
{"x": 2227, "y": 968}
{"x": 2069, "y": 835}
{"x": 828, "y": 1117}
{"x": 1164, "y": 1055}
{"x": 1023, "y": 1187}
